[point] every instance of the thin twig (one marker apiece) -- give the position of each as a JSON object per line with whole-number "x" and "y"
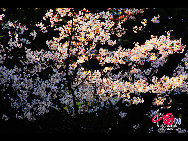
{"x": 67, "y": 75}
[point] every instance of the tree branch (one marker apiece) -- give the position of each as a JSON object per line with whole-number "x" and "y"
{"x": 67, "y": 70}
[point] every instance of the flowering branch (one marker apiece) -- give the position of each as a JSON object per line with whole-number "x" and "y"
{"x": 67, "y": 70}
{"x": 72, "y": 81}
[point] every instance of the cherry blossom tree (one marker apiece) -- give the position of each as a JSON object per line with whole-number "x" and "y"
{"x": 84, "y": 68}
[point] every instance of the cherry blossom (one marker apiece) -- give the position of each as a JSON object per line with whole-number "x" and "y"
{"x": 1, "y": 16}
{"x": 82, "y": 32}
{"x": 155, "y": 19}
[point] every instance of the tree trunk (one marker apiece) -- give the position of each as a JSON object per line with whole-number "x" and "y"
{"x": 71, "y": 91}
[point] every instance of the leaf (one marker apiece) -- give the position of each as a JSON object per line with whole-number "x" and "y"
{"x": 66, "y": 108}
{"x": 70, "y": 91}
{"x": 79, "y": 104}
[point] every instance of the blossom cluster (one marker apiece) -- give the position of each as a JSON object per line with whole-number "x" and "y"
{"x": 87, "y": 27}
{"x": 91, "y": 87}
{"x": 164, "y": 45}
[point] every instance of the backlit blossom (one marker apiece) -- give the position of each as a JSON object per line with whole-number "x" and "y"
{"x": 44, "y": 72}
{"x": 1, "y": 16}
{"x": 155, "y": 19}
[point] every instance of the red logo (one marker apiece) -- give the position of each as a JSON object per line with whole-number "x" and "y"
{"x": 167, "y": 119}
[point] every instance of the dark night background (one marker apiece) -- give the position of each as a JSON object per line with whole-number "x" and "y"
{"x": 59, "y": 121}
